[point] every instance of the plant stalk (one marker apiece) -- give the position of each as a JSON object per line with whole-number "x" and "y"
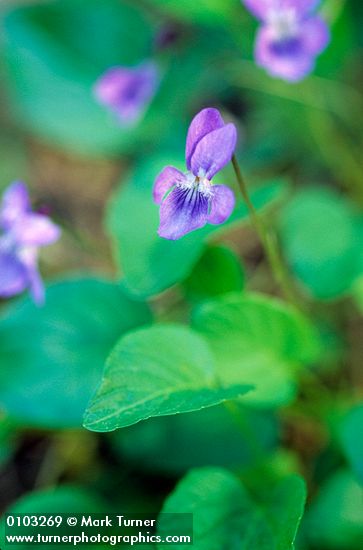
{"x": 268, "y": 241}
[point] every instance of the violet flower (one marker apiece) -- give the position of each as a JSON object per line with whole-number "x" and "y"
{"x": 22, "y": 233}
{"x": 290, "y": 38}
{"x": 189, "y": 201}
{"x": 128, "y": 91}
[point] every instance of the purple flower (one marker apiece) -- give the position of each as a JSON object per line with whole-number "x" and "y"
{"x": 127, "y": 91}
{"x": 290, "y": 38}
{"x": 22, "y": 233}
{"x": 189, "y": 201}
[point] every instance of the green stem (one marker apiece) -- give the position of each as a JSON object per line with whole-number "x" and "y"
{"x": 268, "y": 241}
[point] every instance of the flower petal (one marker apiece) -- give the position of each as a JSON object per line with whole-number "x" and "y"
{"x": 15, "y": 204}
{"x": 183, "y": 210}
{"x": 128, "y": 90}
{"x": 35, "y": 230}
{"x": 28, "y": 255}
{"x": 108, "y": 85}
{"x": 13, "y": 275}
{"x": 167, "y": 178}
{"x": 36, "y": 286}
{"x": 214, "y": 151}
{"x": 222, "y": 204}
{"x": 261, "y": 8}
{"x": 316, "y": 35}
{"x": 302, "y": 7}
{"x": 288, "y": 60}
{"x": 202, "y": 124}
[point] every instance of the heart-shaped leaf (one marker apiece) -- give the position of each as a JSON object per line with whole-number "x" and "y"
{"x": 156, "y": 371}
{"x": 225, "y": 516}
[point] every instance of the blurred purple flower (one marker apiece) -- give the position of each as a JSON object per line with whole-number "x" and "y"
{"x": 127, "y": 91}
{"x": 290, "y": 38}
{"x": 189, "y": 201}
{"x": 22, "y": 233}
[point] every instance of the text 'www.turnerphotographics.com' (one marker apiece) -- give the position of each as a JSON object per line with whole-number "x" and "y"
{"x": 105, "y": 529}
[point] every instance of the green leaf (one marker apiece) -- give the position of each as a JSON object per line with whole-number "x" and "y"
{"x": 149, "y": 263}
{"x": 66, "y": 499}
{"x": 335, "y": 518}
{"x": 257, "y": 340}
{"x": 321, "y": 241}
{"x": 156, "y": 371}
{"x": 225, "y": 516}
{"x": 52, "y": 357}
{"x": 284, "y": 509}
{"x": 351, "y": 432}
{"x": 210, "y": 437}
{"x": 217, "y": 272}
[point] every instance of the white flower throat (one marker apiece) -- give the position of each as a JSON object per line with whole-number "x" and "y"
{"x": 200, "y": 182}
{"x": 283, "y": 23}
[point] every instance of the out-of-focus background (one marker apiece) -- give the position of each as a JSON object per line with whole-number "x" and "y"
{"x": 300, "y": 147}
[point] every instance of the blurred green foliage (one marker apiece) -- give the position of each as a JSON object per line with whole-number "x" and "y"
{"x": 335, "y": 519}
{"x": 322, "y": 241}
{"x": 352, "y": 443}
{"x": 210, "y": 437}
{"x": 63, "y": 345}
{"x": 218, "y": 271}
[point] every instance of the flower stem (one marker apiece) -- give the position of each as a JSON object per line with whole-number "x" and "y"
{"x": 268, "y": 240}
